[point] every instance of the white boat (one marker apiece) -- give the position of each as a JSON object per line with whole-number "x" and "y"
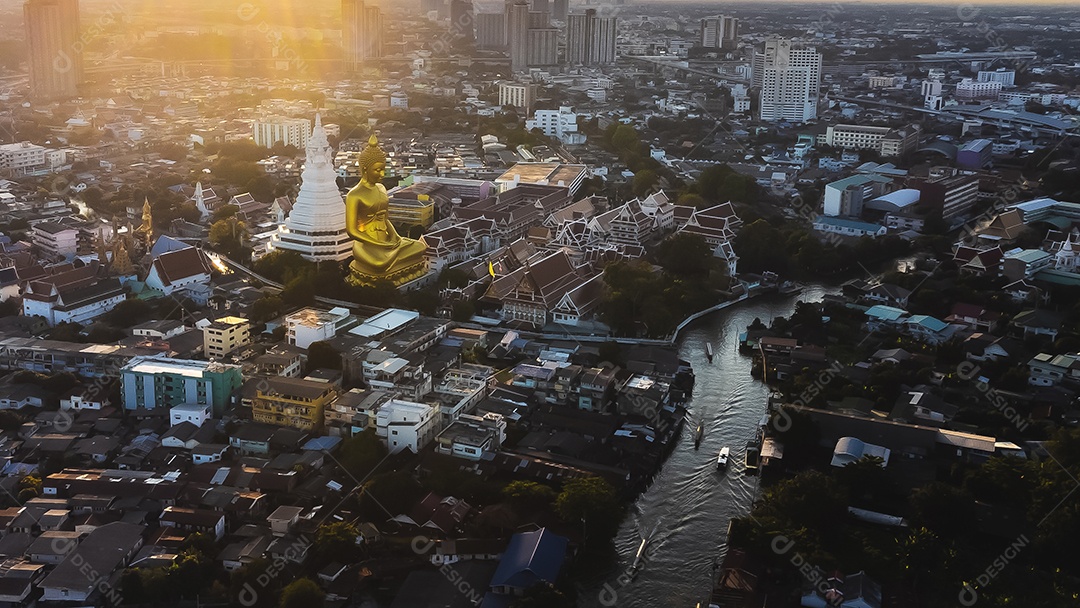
{"x": 722, "y": 458}
{"x": 708, "y": 350}
{"x": 639, "y": 558}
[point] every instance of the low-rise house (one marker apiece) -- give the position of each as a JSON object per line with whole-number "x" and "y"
{"x": 183, "y": 272}
{"x": 1026, "y": 263}
{"x": 79, "y": 295}
{"x": 976, "y": 317}
{"x": 922, "y": 407}
{"x": 19, "y": 396}
{"x": 195, "y": 413}
{"x": 454, "y": 550}
{"x": 92, "y": 397}
{"x": 434, "y": 512}
{"x": 1038, "y": 322}
{"x": 982, "y": 347}
{"x": 406, "y": 425}
{"x": 1050, "y": 370}
{"x": 105, "y": 551}
{"x": 243, "y": 552}
{"x": 52, "y": 547}
{"x": 209, "y": 452}
{"x": 929, "y": 329}
{"x": 532, "y": 558}
{"x": 293, "y": 402}
{"x": 888, "y": 295}
{"x": 851, "y": 449}
{"x": 194, "y": 520}
{"x": 469, "y": 437}
{"x": 185, "y": 436}
{"x": 19, "y": 581}
{"x": 851, "y": 591}
{"x": 284, "y": 519}
{"x": 882, "y": 317}
{"x": 596, "y": 388}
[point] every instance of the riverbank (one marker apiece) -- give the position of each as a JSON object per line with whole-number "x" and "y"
{"x": 686, "y": 509}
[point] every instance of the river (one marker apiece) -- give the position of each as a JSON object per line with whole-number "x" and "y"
{"x": 685, "y": 512}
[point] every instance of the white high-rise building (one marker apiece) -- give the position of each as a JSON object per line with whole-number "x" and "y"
{"x": 973, "y": 89}
{"x": 790, "y": 81}
{"x": 361, "y": 33}
{"x": 1005, "y": 77}
{"x": 277, "y": 130}
{"x": 316, "y": 225}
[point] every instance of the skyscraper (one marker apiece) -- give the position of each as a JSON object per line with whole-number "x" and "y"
{"x": 55, "y": 51}
{"x": 462, "y": 20}
{"x": 790, "y": 81}
{"x": 543, "y": 47}
{"x": 316, "y": 225}
{"x": 560, "y": 9}
{"x": 717, "y": 32}
{"x": 517, "y": 34}
{"x": 590, "y": 40}
{"x": 361, "y": 33}
{"x": 491, "y": 31}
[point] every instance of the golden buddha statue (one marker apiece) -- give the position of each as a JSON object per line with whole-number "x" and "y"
{"x": 379, "y": 252}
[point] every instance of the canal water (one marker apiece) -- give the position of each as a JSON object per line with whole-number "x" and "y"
{"x": 685, "y": 512}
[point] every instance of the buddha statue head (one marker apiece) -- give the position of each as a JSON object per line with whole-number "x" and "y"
{"x": 373, "y": 162}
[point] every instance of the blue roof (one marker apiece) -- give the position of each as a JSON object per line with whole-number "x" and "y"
{"x": 887, "y": 313}
{"x": 928, "y": 322}
{"x": 531, "y": 558}
{"x": 322, "y": 443}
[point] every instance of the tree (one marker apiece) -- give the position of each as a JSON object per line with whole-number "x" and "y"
{"x": 266, "y": 308}
{"x": 336, "y": 542}
{"x": 529, "y": 494}
{"x": 223, "y": 212}
{"x": 29, "y": 487}
{"x": 128, "y": 313}
{"x": 302, "y": 593}
{"x": 645, "y": 182}
{"x": 586, "y": 497}
{"x": 322, "y": 355}
{"x": 685, "y": 255}
{"x": 942, "y": 509}
{"x": 228, "y": 236}
{"x": 360, "y": 453}
{"x": 462, "y": 310}
{"x": 625, "y": 140}
{"x": 391, "y": 494}
{"x": 692, "y": 200}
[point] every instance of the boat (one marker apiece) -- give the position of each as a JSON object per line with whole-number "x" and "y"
{"x": 639, "y": 558}
{"x": 788, "y": 288}
{"x": 708, "y": 351}
{"x": 753, "y": 454}
{"x": 722, "y": 458}
{"x": 698, "y": 434}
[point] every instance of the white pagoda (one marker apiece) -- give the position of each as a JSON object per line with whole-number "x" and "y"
{"x": 316, "y": 225}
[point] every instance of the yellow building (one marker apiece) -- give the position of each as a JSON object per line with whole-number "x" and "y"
{"x": 225, "y": 335}
{"x": 292, "y": 402}
{"x": 406, "y": 212}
